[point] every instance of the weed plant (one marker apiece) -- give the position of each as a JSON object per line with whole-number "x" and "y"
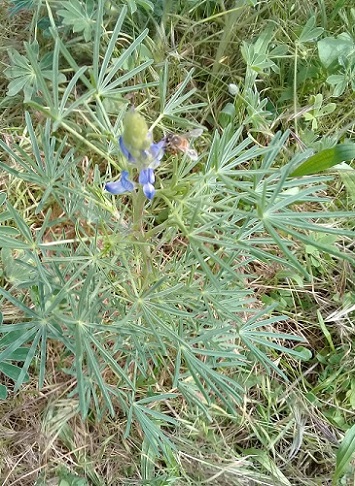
{"x": 170, "y": 318}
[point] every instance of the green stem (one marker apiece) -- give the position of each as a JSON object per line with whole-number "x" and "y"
{"x": 142, "y": 248}
{"x": 138, "y": 208}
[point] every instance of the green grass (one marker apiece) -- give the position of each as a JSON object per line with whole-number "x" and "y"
{"x": 205, "y": 337}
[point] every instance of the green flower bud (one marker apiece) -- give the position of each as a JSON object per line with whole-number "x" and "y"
{"x": 135, "y": 135}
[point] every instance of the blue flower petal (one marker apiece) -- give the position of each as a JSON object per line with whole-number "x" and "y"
{"x": 115, "y": 187}
{"x": 155, "y": 153}
{"x": 121, "y": 186}
{"x": 126, "y": 182}
{"x": 157, "y": 150}
{"x": 147, "y": 179}
{"x": 125, "y": 150}
{"x": 149, "y": 190}
{"x": 146, "y": 176}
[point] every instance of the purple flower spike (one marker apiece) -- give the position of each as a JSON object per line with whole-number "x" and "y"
{"x": 147, "y": 179}
{"x": 121, "y": 186}
{"x": 137, "y": 146}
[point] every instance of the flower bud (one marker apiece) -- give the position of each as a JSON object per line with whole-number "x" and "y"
{"x": 136, "y": 136}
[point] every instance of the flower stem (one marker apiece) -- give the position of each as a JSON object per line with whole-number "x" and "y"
{"x": 138, "y": 208}
{"x": 143, "y": 248}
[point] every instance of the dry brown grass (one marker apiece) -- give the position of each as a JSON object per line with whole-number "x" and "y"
{"x": 42, "y": 436}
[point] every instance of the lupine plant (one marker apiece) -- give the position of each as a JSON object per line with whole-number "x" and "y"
{"x": 137, "y": 262}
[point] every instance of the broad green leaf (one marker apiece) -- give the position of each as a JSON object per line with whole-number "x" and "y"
{"x": 19, "y": 354}
{"x": 16, "y": 85}
{"x": 330, "y": 49}
{"x": 325, "y": 159}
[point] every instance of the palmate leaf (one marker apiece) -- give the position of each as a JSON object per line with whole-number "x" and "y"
{"x": 79, "y": 15}
{"x": 177, "y": 103}
{"x": 210, "y": 382}
{"x": 277, "y": 210}
{"x": 46, "y": 166}
{"x": 35, "y": 333}
{"x": 310, "y": 32}
{"x": 19, "y": 375}
{"x": 259, "y": 207}
{"x": 77, "y": 306}
{"x": 151, "y": 420}
{"x": 29, "y": 73}
{"x": 339, "y": 83}
{"x": 108, "y": 78}
{"x": 255, "y": 335}
{"x": 30, "y": 247}
{"x": 106, "y": 81}
{"x": 212, "y": 344}
{"x": 52, "y": 106}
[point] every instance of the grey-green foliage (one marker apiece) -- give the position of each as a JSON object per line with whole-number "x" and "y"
{"x": 175, "y": 303}
{"x": 337, "y": 55}
{"x": 28, "y": 73}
